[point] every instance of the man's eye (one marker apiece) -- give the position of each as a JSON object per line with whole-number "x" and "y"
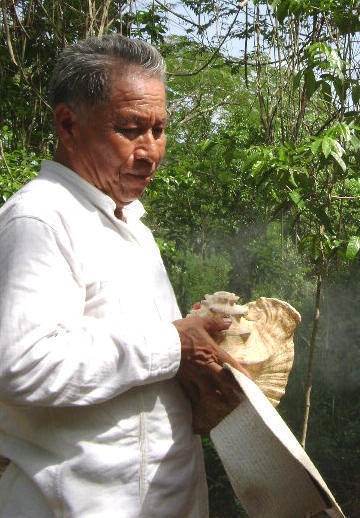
{"x": 127, "y": 131}
{"x": 157, "y": 132}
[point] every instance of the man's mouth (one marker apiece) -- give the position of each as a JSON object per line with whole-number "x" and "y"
{"x": 140, "y": 178}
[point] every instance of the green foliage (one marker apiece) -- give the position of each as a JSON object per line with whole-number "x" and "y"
{"x": 324, "y": 71}
{"x": 353, "y": 247}
{"x": 344, "y": 15}
{"x": 17, "y": 167}
{"x": 151, "y": 22}
{"x": 270, "y": 268}
{"x": 308, "y": 180}
{"x": 324, "y": 57}
{"x": 193, "y": 276}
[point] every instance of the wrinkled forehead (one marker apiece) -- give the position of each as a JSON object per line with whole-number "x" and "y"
{"x": 136, "y": 92}
{"x": 131, "y": 90}
{"x": 130, "y": 74}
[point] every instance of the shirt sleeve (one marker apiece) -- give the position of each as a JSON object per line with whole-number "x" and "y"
{"x": 51, "y": 354}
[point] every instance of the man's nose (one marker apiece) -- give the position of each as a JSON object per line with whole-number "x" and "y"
{"x": 149, "y": 148}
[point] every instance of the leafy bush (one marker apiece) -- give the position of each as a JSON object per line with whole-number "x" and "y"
{"x": 193, "y": 276}
{"x": 17, "y": 167}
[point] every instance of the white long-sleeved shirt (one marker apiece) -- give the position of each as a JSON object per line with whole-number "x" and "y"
{"x": 90, "y": 413}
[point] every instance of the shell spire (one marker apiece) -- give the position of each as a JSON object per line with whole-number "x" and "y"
{"x": 221, "y": 303}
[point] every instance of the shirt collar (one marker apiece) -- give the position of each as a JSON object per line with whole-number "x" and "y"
{"x": 134, "y": 211}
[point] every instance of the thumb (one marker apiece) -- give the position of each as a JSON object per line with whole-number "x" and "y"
{"x": 213, "y": 323}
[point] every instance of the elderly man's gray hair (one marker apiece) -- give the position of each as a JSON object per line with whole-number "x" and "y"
{"x": 82, "y": 71}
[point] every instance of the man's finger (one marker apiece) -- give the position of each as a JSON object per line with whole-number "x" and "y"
{"x": 214, "y": 323}
{"x": 224, "y": 357}
{"x": 223, "y": 381}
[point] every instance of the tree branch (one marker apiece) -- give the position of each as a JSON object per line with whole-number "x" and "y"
{"x": 217, "y": 49}
{"x": 178, "y": 15}
{"x": 205, "y": 110}
{"x": 2, "y": 154}
{"x": 7, "y": 30}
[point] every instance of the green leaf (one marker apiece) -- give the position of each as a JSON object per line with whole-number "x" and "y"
{"x": 282, "y": 10}
{"x": 334, "y": 245}
{"x": 310, "y": 82}
{"x": 224, "y": 177}
{"x": 258, "y": 167}
{"x": 326, "y": 146}
{"x": 283, "y": 155}
{"x": 356, "y": 94}
{"x": 339, "y": 160}
{"x": 292, "y": 179}
{"x": 250, "y": 161}
{"x": 297, "y": 199}
{"x": 336, "y": 62}
{"x": 207, "y": 145}
{"x": 296, "y": 80}
{"x": 338, "y": 84}
{"x": 351, "y": 113}
{"x": 355, "y": 143}
{"x": 312, "y": 244}
{"x": 345, "y": 131}
{"x": 264, "y": 177}
{"x": 323, "y": 217}
{"x": 229, "y": 154}
{"x": 353, "y": 247}
{"x": 337, "y": 147}
{"x": 295, "y": 7}
{"x": 326, "y": 91}
{"x": 315, "y": 146}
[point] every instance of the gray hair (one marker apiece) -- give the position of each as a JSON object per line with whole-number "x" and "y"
{"x": 82, "y": 73}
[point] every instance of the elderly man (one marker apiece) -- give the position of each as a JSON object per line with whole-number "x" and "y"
{"x": 97, "y": 368}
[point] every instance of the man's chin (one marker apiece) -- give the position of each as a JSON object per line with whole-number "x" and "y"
{"x": 128, "y": 196}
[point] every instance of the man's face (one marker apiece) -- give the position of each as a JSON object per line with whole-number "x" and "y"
{"x": 118, "y": 146}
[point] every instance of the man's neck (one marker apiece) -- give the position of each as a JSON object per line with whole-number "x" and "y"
{"x": 61, "y": 155}
{"x": 118, "y": 213}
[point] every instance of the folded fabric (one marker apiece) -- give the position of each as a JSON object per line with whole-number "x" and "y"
{"x": 268, "y": 469}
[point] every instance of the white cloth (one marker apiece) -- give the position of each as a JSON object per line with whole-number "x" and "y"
{"x": 269, "y": 470}
{"x": 90, "y": 413}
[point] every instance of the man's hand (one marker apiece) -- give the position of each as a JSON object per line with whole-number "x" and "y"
{"x": 212, "y": 390}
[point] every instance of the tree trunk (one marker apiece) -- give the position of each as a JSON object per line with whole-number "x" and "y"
{"x": 312, "y": 347}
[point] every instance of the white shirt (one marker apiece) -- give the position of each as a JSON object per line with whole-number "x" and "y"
{"x": 90, "y": 413}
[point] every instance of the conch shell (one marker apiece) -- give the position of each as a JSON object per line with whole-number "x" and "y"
{"x": 260, "y": 338}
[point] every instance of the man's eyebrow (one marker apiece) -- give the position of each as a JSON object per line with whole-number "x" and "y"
{"x": 138, "y": 119}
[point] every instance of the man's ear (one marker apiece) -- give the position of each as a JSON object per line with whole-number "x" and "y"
{"x": 66, "y": 122}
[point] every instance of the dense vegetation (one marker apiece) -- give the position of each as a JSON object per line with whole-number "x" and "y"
{"x": 259, "y": 192}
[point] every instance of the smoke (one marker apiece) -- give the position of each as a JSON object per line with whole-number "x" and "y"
{"x": 338, "y": 365}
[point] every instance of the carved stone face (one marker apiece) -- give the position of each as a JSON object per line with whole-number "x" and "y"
{"x": 260, "y": 337}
